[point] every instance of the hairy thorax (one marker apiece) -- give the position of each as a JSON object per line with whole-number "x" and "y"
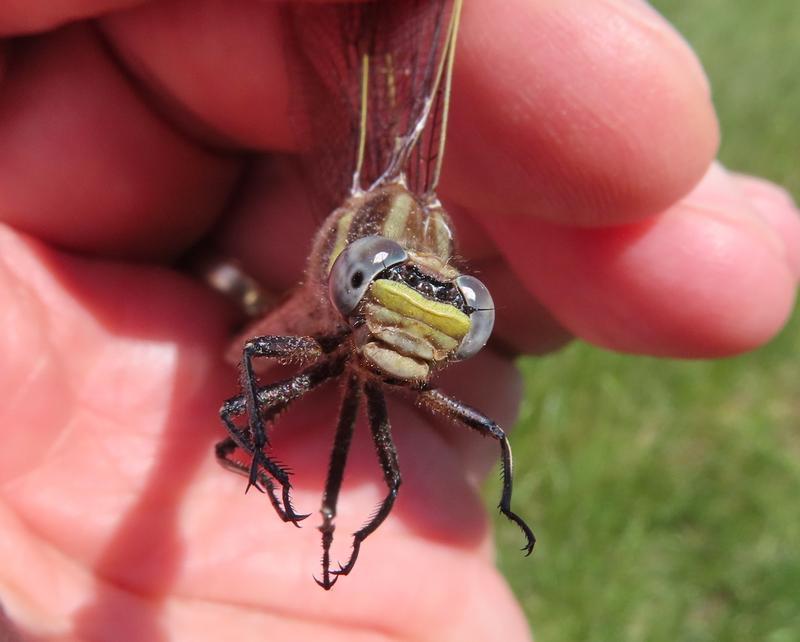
{"x": 411, "y": 319}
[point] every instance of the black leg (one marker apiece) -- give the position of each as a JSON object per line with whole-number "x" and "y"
{"x": 225, "y": 450}
{"x": 281, "y": 348}
{"x": 333, "y": 484}
{"x": 387, "y": 455}
{"x": 438, "y": 403}
{"x": 271, "y": 400}
{"x": 240, "y": 439}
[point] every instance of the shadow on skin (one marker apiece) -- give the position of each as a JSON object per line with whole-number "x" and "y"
{"x": 143, "y": 557}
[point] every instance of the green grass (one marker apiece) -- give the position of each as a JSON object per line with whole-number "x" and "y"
{"x": 666, "y": 494}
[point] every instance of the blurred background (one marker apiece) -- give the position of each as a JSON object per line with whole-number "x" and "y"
{"x": 666, "y": 494}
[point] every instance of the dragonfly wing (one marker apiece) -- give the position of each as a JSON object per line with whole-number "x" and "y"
{"x": 404, "y": 42}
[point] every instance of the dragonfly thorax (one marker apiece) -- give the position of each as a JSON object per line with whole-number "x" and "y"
{"x": 393, "y": 212}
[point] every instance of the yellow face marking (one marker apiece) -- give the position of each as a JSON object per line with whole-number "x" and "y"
{"x": 392, "y": 363}
{"x": 378, "y": 316}
{"x": 342, "y": 228}
{"x": 404, "y": 300}
{"x": 394, "y": 225}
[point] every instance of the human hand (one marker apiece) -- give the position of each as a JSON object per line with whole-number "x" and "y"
{"x": 115, "y": 520}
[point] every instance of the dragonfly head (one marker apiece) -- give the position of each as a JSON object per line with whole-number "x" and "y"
{"x": 408, "y": 317}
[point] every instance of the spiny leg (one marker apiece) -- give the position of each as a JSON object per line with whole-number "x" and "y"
{"x": 274, "y": 347}
{"x": 224, "y": 451}
{"x": 438, "y": 403}
{"x": 387, "y": 455}
{"x": 240, "y": 439}
{"x": 333, "y": 483}
{"x": 275, "y": 398}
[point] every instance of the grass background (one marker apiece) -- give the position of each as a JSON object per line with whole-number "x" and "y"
{"x": 666, "y": 494}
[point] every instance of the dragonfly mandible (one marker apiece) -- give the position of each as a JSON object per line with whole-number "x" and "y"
{"x": 382, "y": 304}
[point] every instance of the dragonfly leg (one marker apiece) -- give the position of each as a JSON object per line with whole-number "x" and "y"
{"x": 333, "y": 483}
{"x": 387, "y": 455}
{"x": 271, "y": 400}
{"x": 271, "y": 347}
{"x": 259, "y": 463}
{"x": 440, "y": 404}
{"x": 225, "y": 450}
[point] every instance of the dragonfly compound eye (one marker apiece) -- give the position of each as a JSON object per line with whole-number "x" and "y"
{"x": 357, "y": 265}
{"x": 481, "y": 319}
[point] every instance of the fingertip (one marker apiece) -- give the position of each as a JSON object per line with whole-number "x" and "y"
{"x": 706, "y": 278}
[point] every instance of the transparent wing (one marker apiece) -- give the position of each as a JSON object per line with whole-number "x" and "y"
{"x": 404, "y": 42}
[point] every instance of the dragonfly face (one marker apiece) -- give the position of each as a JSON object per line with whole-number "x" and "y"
{"x": 411, "y": 312}
{"x": 382, "y": 304}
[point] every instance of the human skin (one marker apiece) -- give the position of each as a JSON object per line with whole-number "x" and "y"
{"x": 580, "y": 175}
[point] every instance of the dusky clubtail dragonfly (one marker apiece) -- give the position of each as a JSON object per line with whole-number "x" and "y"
{"x": 382, "y": 304}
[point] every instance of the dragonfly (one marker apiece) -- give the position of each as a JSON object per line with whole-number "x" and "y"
{"x": 383, "y": 305}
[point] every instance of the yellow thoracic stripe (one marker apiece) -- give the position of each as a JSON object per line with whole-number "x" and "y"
{"x": 405, "y": 300}
{"x": 342, "y": 228}
{"x": 394, "y": 225}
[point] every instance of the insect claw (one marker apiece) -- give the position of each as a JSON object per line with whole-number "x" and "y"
{"x": 289, "y": 509}
{"x": 345, "y": 570}
{"x": 253, "y": 484}
{"x": 327, "y": 584}
{"x": 526, "y": 531}
{"x": 295, "y": 519}
{"x": 291, "y": 516}
{"x": 528, "y": 548}
{"x": 252, "y": 478}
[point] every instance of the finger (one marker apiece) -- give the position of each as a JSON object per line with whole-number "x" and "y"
{"x": 575, "y": 112}
{"x": 22, "y": 17}
{"x": 86, "y": 165}
{"x": 219, "y": 67}
{"x": 706, "y": 278}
